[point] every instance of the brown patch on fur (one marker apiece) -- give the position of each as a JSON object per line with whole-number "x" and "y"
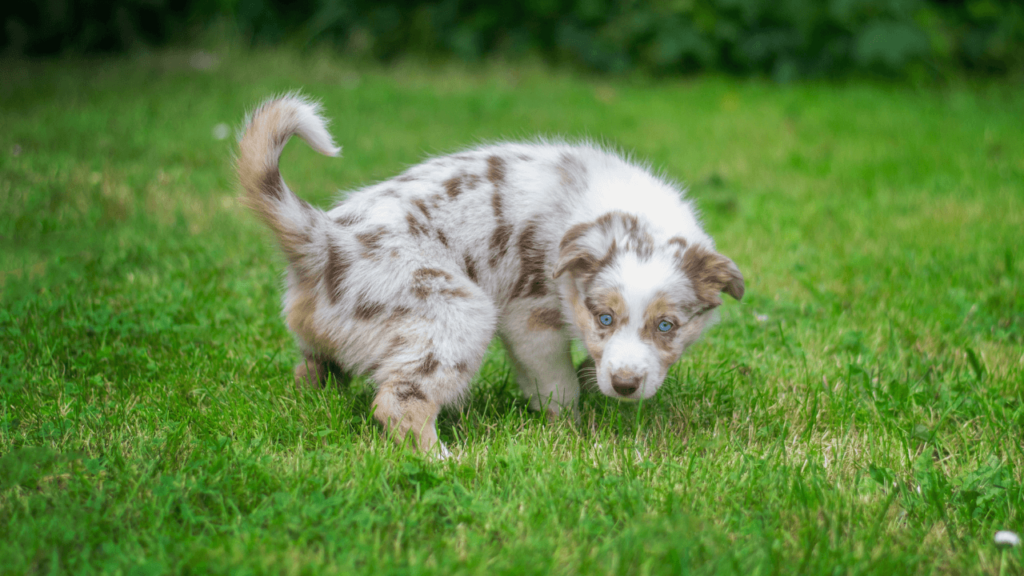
{"x": 424, "y": 273}
{"x": 390, "y": 192}
{"x": 607, "y": 220}
{"x": 419, "y": 203}
{"x": 454, "y": 292}
{"x": 608, "y": 302}
{"x": 407, "y": 390}
{"x": 462, "y": 367}
{"x": 678, "y": 241}
{"x": 422, "y": 288}
{"x": 370, "y": 241}
{"x": 348, "y": 219}
{"x": 416, "y": 228}
{"x": 470, "y": 269}
{"x": 367, "y": 311}
{"x": 397, "y": 341}
{"x": 502, "y": 231}
{"x": 499, "y": 243}
{"x": 643, "y": 246}
{"x": 531, "y": 282}
{"x": 335, "y": 271}
{"x": 271, "y": 184}
{"x": 658, "y": 309}
{"x": 453, "y": 186}
{"x": 496, "y": 170}
{"x": 710, "y": 273}
{"x": 428, "y": 366}
{"x": 574, "y": 234}
{"x": 544, "y": 319}
{"x": 442, "y": 238}
{"x": 496, "y": 204}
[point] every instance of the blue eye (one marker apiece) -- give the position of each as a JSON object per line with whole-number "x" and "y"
{"x": 605, "y": 319}
{"x": 665, "y": 326}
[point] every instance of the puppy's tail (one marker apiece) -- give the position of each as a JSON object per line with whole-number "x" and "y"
{"x": 268, "y": 128}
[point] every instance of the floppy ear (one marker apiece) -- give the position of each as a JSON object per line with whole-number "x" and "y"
{"x": 585, "y": 249}
{"x": 573, "y": 251}
{"x": 710, "y": 273}
{"x": 572, "y": 260}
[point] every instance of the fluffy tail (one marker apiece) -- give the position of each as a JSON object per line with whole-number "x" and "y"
{"x": 267, "y": 130}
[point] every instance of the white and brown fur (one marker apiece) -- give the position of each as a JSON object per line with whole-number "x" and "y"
{"x": 408, "y": 280}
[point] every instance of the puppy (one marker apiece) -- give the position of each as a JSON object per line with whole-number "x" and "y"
{"x": 408, "y": 280}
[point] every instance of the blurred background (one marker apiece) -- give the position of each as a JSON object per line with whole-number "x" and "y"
{"x": 859, "y": 412}
{"x": 782, "y": 39}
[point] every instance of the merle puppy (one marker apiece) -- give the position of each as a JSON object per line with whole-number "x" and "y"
{"x": 408, "y": 280}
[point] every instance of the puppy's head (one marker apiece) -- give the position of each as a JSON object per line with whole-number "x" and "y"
{"x": 639, "y": 304}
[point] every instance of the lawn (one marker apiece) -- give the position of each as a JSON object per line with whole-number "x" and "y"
{"x": 861, "y": 411}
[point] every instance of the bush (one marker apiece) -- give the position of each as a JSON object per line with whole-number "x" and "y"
{"x": 783, "y": 38}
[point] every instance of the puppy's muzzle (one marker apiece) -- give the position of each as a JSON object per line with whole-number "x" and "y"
{"x": 626, "y": 383}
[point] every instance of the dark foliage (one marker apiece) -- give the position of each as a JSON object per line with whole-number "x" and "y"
{"x": 783, "y": 38}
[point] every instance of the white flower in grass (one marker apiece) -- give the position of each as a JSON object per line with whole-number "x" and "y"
{"x": 221, "y": 131}
{"x": 1005, "y": 538}
{"x": 201, "y": 60}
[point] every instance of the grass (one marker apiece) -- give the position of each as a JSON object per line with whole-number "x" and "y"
{"x": 860, "y": 412}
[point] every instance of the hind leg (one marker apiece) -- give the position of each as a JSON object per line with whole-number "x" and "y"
{"x": 429, "y": 357}
{"x": 403, "y": 407}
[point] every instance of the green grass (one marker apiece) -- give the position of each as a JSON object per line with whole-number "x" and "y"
{"x": 860, "y": 412}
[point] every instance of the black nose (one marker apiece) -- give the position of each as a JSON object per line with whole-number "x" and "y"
{"x": 625, "y": 383}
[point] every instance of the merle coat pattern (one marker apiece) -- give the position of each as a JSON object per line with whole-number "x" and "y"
{"x": 408, "y": 280}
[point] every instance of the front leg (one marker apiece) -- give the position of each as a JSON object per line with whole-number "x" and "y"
{"x": 535, "y": 337}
